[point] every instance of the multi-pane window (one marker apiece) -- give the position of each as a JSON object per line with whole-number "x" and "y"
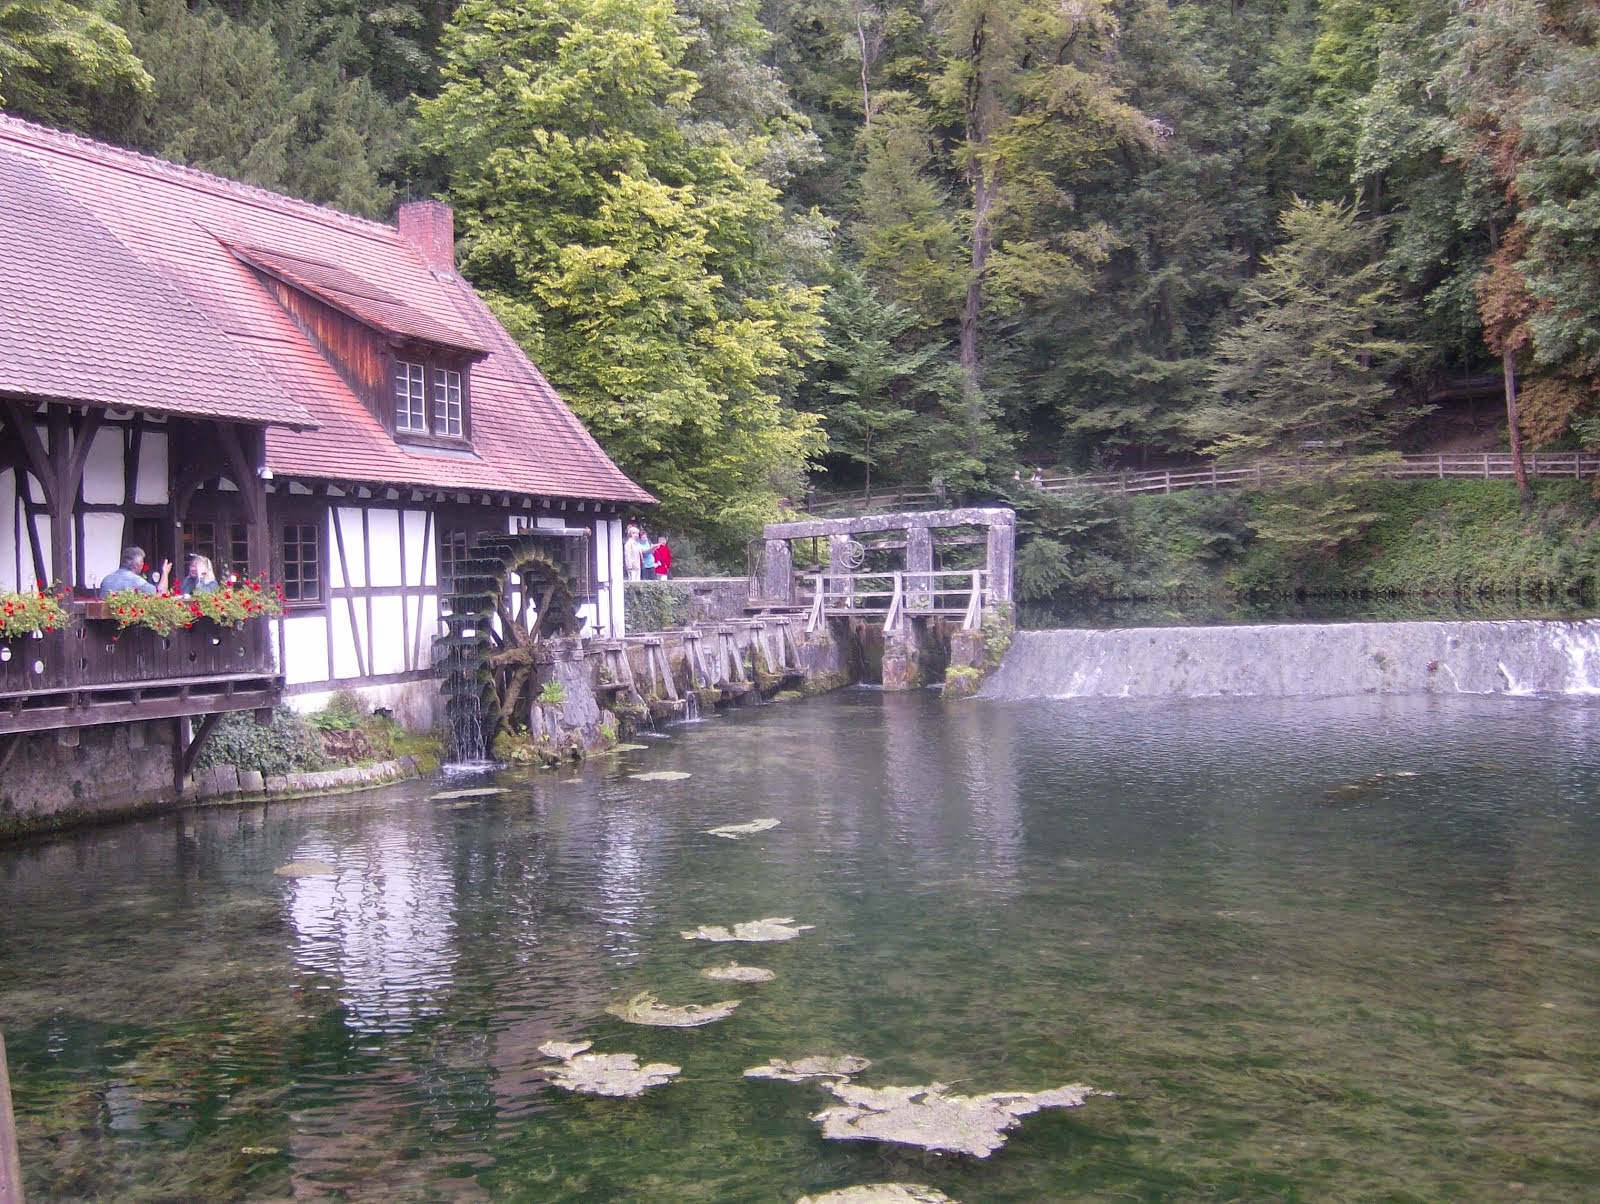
{"x": 226, "y": 545}
{"x": 452, "y": 551}
{"x": 446, "y": 402}
{"x": 410, "y": 397}
{"x": 302, "y": 563}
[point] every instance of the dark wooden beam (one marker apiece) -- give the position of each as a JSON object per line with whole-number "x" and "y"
{"x": 184, "y": 761}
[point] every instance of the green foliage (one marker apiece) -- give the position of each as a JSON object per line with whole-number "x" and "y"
{"x": 1362, "y": 537}
{"x": 1305, "y": 373}
{"x": 288, "y": 745}
{"x": 655, "y": 605}
{"x": 637, "y": 253}
{"x": 552, "y": 694}
{"x": 68, "y": 63}
{"x": 344, "y": 711}
{"x": 240, "y": 98}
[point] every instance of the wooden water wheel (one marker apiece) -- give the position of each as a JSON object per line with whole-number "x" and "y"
{"x": 538, "y": 606}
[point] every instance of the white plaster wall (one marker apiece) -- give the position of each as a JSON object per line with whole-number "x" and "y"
{"x": 150, "y": 487}
{"x": 348, "y": 535}
{"x": 383, "y": 535}
{"x": 417, "y": 705}
{"x": 426, "y": 627}
{"x": 345, "y": 637}
{"x": 102, "y": 546}
{"x": 305, "y": 648}
{"x": 103, "y": 478}
{"x": 388, "y": 637}
{"x": 418, "y": 533}
{"x": 612, "y": 577}
{"x": 12, "y": 537}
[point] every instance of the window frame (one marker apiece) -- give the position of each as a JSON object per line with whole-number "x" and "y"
{"x": 411, "y": 409}
{"x": 441, "y": 370}
{"x": 302, "y": 513}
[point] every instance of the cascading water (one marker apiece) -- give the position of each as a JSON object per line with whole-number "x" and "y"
{"x": 463, "y": 691}
{"x": 1304, "y": 660}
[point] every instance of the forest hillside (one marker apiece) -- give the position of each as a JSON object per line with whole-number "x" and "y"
{"x": 870, "y": 242}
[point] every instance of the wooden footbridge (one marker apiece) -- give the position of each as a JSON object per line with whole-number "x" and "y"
{"x": 885, "y": 567}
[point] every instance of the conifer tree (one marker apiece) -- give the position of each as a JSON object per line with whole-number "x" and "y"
{"x": 1305, "y": 374}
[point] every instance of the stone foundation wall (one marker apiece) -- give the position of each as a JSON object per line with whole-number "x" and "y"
{"x": 112, "y": 770}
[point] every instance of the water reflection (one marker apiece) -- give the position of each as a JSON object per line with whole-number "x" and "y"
{"x": 381, "y": 930}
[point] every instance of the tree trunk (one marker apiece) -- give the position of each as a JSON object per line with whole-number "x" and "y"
{"x": 984, "y": 179}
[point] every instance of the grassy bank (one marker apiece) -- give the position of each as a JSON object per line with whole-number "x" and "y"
{"x": 1374, "y": 538}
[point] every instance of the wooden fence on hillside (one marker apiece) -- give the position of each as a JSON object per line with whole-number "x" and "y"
{"x": 1483, "y": 466}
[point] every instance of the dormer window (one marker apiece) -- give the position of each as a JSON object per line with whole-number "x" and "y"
{"x": 431, "y": 402}
{"x": 447, "y": 403}
{"x": 410, "y": 396}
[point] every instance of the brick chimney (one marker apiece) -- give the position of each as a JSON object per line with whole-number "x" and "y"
{"x": 430, "y": 227}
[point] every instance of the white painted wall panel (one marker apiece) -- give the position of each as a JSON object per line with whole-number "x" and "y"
{"x": 305, "y": 648}
{"x": 418, "y": 531}
{"x": 551, "y": 524}
{"x": 102, "y": 546}
{"x": 150, "y": 488}
{"x": 388, "y": 639}
{"x": 611, "y": 583}
{"x": 344, "y": 637}
{"x": 383, "y": 535}
{"x": 348, "y": 520}
{"x": 430, "y": 627}
{"x": 13, "y": 539}
{"x": 103, "y": 478}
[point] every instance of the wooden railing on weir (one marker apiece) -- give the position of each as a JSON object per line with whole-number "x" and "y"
{"x": 898, "y": 596}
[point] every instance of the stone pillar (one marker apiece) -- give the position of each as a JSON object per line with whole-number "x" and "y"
{"x": 919, "y": 561}
{"x": 902, "y": 660}
{"x": 1002, "y": 556}
{"x": 777, "y": 581}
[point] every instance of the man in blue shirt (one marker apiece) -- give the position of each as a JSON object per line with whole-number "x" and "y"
{"x": 129, "y": 575}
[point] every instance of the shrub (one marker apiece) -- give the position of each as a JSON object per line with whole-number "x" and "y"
{"x": 288, "y": 745}
{"x": 553, "y": 694}
{"x": 656, "y": 605}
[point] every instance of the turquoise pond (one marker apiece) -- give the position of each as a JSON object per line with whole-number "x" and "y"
{"x": 1320, "y": 950}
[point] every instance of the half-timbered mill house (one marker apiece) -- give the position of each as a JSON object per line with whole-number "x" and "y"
{"x": 190, "y": 364}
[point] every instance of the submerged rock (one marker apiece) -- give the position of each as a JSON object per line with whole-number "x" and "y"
{"x": 445, "y": 796}
{"x": 932, "y": 1119}
{"x": 809, "y": 1068}
{"x": 881, "y": 1193}
{"x": 305, "y": 869}
{"x": 773, "y": 928}
{"x": 643, "y": 1009}
{"x": 734, "y": 972}
{"x": 618, "y": 1075}
{"x": 735, "y": 831}
{"x": 660, "y": 775}
{"x": 564, "y": 1050}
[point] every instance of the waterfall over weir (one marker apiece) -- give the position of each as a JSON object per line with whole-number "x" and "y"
{"x": 1303, "y": 660}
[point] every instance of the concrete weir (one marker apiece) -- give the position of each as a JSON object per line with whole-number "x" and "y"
{"x": 1514, "y": 657}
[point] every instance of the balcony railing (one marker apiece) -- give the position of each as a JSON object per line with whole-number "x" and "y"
{"x": 89, "y": 672}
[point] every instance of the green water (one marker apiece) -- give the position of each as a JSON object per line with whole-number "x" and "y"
{"x": 1304, "y": 981}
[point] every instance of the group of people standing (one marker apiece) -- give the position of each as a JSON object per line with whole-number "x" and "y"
{"x": 643, "y": 560}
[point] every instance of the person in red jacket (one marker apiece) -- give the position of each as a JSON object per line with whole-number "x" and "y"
{"x": 663, "y": 558}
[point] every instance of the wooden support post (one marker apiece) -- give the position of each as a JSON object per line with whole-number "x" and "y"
{"x": 10, "y": 1160}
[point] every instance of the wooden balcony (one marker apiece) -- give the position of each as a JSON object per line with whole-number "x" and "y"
{"x": 90, "y": 673}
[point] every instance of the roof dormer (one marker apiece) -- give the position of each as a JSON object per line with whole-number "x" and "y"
{"x": 410, "y": 368}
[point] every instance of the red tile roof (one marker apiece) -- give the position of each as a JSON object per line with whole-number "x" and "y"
{"x": 83, "y": 319}
{"x": 185, "y": 238}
